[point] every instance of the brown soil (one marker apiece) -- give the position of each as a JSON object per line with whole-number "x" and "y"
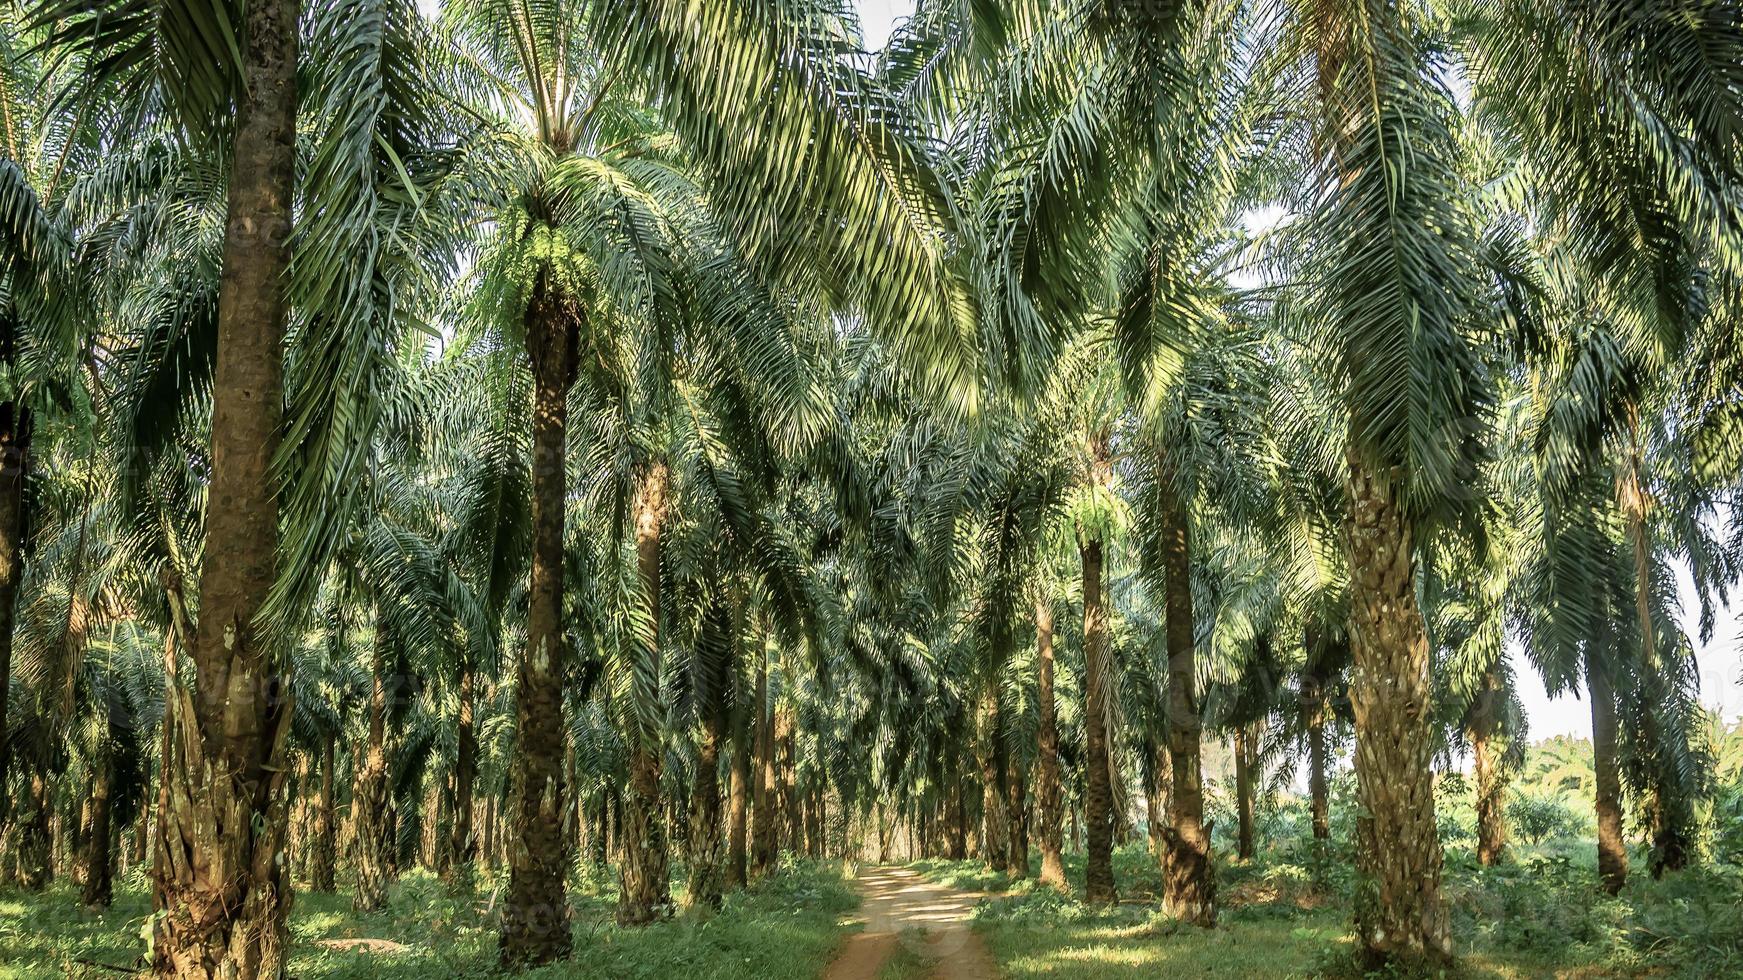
{"x": 363, "y": 945}
{"x": 900, "y": 907}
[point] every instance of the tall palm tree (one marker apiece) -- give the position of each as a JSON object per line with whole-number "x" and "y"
{"x": 1096, "y": 512}
{"x": 1625, "y": 137}
{"x": 581, "y": 243}
{"x": 559, "y": 268}
{"x": 48, "y": 270}
{"x": 1105, "y": 144}
{"x": 239, "y": 101}
{"x": 1388, "y": 264}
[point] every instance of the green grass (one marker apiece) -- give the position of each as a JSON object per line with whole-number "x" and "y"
{"x": 1287, "y": 915}
{"x": 1033, "y": 932}
{"x": 787, "y": 929}
{"x": 1283, "y": 915}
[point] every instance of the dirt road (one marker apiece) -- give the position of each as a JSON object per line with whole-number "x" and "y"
{"x": 900, "y": 907}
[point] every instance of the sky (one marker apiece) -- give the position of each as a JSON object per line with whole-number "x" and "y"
{"x": 878, "y": 17}
{"x": 1721, "y": 670}
{"x": 1721, "y": 661}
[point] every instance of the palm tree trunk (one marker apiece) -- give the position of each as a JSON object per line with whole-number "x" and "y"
{"x": 30, "y": 829}
{"x": 221, "y": 883}
{"x": 738, "y": 810}
{"x": 1244, "y": 764}
{"x": 599, "y": 852}
{"x": 432, "y": 843}
{"x": 390, "y": 828}
{"x": 141, "y": 830}
{"x": 1017, "y": 818}
{"x": 787, "y": 823}
{"x": 48, "y": 826}
{"x": 1155, "y": 806}
{"x": 1491, "y": 780}
{"x": 462, "y": 845}
{"x": 706, "y": 885}
{"x": 1047, "y": 787}
{"x": 15, "y": 431}
{"x": 1098, "y": 888}
{"x": 1313, "y": 723}
{"x": 956, "y": 848}
{"x": 583, "y": 828}
{"x": 643, "y": 890}
{"x": 1612, "y": 850}
{"x": 535, "y": 921}
{"x": 75, "y": 846}
{"x": 1671, "y": 837}
{"x": 676, "y": 809}
{"x": 819, "y": 821}
{"x": 98, "y": 859}
{"x": 809, "y": 806}
{"x": 1165, "y": 791}
{"x": 1491, "y": 821}
{"x": 762, "y": 850}
{"x": 1399, "y": 913}
{"x": 487, "y": 849}
{"x": 992, "y": 809}
{"x": 1189, "y": 884}
{"x": 301, "y": 814}
{"x": 322, "y": 850}
{"x": 371, "y": 838}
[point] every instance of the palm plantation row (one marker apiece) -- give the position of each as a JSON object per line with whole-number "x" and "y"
{"x": 517, "y": 430}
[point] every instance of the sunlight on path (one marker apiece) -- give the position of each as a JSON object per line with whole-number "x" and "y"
{"x": 901, "y": 907}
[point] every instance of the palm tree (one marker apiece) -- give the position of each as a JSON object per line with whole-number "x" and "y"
{"x": 325, "y": 691}
{"x": 558, "y": 270}
{"x": 1467, "y": 587}
{"x": 1596, "y": 600}
{"x": 1624, "y": 137}
{"x": 224, "y": 768}
{"x": 1096, "y": 514}
{"x": 44, "y": 237}
{"x": 1113, "y": 142}
{"x": 1388, "y": 266}
{"x": 1048, "y": 791}
{"x": 396, "y": 576}
{"x": 481, "y": 393}
{"x": 1199, "y": 466}
{"x": 225, "y": 758}
{"x": 579, "y": 241}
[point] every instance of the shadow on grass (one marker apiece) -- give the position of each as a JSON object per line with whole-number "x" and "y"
{"x": 785, "y": 930}
{"x": 1288, "y": 914}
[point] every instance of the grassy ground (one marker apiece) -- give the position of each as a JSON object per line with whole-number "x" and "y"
{"x": 1284, "y": 915}
{"x": 1287, "y": 915}
{"x": 787, "y": 929}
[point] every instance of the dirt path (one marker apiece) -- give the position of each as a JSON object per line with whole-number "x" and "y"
{"x": 900, "y": 907}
